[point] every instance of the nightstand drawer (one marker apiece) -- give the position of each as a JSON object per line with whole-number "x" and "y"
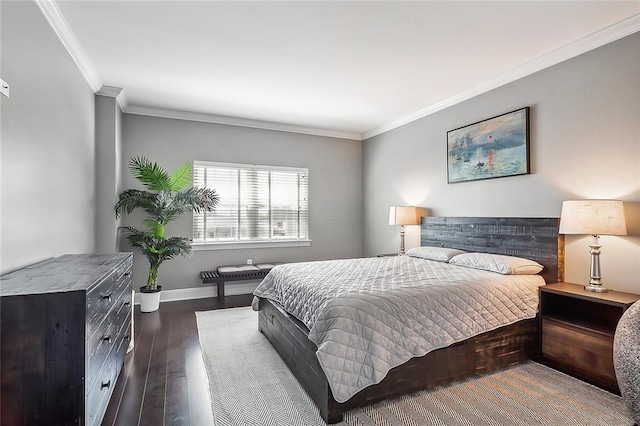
{"x": 579, "y": 351}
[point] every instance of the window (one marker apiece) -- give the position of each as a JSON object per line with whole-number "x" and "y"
{"x": 257, "y": 204}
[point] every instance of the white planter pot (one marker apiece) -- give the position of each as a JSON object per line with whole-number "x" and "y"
{"x": 149, "y": 300}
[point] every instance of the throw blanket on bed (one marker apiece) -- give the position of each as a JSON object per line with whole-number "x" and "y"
{"x": 369, "y": 315}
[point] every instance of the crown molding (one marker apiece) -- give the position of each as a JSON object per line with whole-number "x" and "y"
{"x": 52, "y": 13}
{"x": 114, "y": 92}
{"x": 240, "y": 122}
{"x": 109, "y": 91}
{"x": 607, "y": 35}
{"x": 600, "y": 38}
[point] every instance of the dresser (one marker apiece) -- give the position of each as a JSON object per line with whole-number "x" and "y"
{"x": 65, "y": 328}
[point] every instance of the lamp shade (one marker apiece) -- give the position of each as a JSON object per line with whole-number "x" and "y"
{"x": 593, "y": 217}
{"x": 404, "y": 215}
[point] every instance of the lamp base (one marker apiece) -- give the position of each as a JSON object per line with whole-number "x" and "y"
{"x": 595, "y": 283}
{"x": 596, "y": 288}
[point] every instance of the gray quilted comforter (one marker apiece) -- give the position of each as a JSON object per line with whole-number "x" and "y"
{"x": 369, "y": 315}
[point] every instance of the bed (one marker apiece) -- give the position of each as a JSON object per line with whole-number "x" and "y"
{"x": 314, "y": 353}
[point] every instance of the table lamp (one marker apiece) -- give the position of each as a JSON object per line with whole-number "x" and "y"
{"x": 595, "y": 218}
{"x": 404, "y": 215}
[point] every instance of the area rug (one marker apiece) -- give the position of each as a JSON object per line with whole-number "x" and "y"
{"x": 250, "y": 385}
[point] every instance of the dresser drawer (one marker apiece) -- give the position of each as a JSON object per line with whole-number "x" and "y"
{"x": 100, "y": 388}
{"x": 99, "y": 347}
{"x": 104, "y": 291}
{"x": 105, "y": 297}
{"x": 124, "y": 269}
{"x": 109, "y": 335}
{"x": 99, "y": 392}
{"x": 101, "y": 298}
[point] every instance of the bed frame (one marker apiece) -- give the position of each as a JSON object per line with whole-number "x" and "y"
{"x": 532, "y": 238}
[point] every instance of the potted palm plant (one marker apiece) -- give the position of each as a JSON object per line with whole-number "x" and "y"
{"x": 167, "y": 196}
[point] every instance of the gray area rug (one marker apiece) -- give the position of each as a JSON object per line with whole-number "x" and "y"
{"x": 250, "y": 385}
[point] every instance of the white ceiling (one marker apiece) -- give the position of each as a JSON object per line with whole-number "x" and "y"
{"x": 351, "y": 69}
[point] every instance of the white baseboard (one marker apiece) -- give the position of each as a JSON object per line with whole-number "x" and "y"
{"x": 202, "y": 292}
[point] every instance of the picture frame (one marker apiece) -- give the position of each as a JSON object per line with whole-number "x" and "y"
{"x": 488, "y": 149}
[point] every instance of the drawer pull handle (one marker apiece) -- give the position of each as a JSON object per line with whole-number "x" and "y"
{"x": 107, "y": 297}
{"x": 127, "y": 303}
{"x": 106, "y": 339}
{"x": 126, "y": 274}
{"x": 127, "y": 337}
{"x": 105, "y": 385}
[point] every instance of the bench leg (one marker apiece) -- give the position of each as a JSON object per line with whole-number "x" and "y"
{"x": 221, "y": 291}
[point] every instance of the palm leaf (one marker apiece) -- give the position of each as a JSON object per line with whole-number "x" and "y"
{"x": 174, "y": 246}
{"x": 191, "y": 199}
{"x": 148, "y": 243}
{"x": 132, "y": 199}
{"x": 197, "y": 198}
{"x": 181, "y": 177}
{"x": 150, "y": 174}
{"x": 136, "y": 238}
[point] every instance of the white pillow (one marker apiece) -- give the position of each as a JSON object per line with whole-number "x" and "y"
{"x": 506, "y": 265}
{"x": 441, "y": 254}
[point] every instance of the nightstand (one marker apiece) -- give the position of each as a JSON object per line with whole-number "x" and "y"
{"x": 387, "y": 255}
{"x": 577, "y": 328}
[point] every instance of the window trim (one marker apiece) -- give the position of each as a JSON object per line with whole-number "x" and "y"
{"x": 249, "y": 166}
{"x": 238, "y": 244}
{"x": 231, "y": 245}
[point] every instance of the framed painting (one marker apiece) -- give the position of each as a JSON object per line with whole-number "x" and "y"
{"x": 492, "y": 148}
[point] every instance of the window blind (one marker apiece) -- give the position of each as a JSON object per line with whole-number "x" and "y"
{"x": 257, "y": 203}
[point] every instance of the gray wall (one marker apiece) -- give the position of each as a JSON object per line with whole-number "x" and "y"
{"x": 585, "y": 143}
{"x": 47, "y": 151}
{"x": 335, "y": 179}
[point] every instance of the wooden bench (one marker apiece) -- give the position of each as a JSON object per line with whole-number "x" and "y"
{"x": 222, "y": 274}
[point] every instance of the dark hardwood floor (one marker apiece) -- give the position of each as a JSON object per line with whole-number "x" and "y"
{"x": 163, "y": 381}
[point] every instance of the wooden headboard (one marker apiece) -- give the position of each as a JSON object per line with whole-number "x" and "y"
{"x": 532, "y": 238}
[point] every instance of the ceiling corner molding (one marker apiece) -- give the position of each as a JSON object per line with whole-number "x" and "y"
{"x": 109, "y": 91}
{"x": 607, "y": 35}
{"x": 234, "y": 121}
{"x": 122, "y": 100}
{"x": 52, "y": 13}
{"x": 114, "y": 92}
